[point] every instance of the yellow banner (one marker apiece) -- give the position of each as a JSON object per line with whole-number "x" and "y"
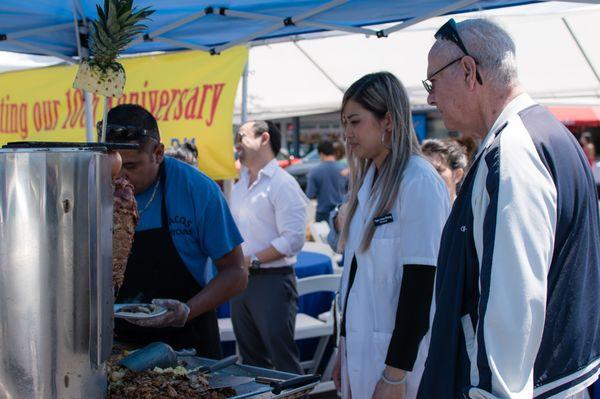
{"x": 190, "y": 93}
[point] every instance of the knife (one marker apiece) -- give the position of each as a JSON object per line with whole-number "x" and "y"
{"x": 274, "y": 385}
{"x": 295, "y": 382}
{"x": 221, "y": 364}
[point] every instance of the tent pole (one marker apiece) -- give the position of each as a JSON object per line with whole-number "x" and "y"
{"x": 589, "y": 62}
{"x": 296, "y": 120}
{"x": 244, "y": 116}
{"x": 89, "y": 116}
{"x": 434, "y": 13}
{"x": 182, "y": 44}
{"x": 323, "y": 72}
{"x": 37, "y": 31}
{"x": 228, "y": 183}
{"x": 40, "y": 50}
{"x": 83, "y": 52}
{"x": 167, "y": 28}
{"x": 290, "y": 20}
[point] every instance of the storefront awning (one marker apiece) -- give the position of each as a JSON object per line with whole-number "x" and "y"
{"x": 577, "y": 116}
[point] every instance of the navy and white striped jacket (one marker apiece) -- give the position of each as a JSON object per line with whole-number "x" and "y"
{"x": 518, "y": 284}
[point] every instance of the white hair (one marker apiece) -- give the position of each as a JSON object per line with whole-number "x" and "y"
{"x": 491, "y": 46}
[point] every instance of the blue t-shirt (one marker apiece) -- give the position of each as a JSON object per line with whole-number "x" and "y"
{"x": 327, "y": 185}
{"x": 200, "y": 222}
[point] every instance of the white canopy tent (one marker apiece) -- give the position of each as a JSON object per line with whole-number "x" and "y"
{"x": 557, "y": 52}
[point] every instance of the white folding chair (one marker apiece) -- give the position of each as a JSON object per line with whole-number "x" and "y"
{"x": 312, "y": 327}
{"x": 319, "y": 231}
{"x": 306, "y": 325}
{"x": 226, "y": 329}
{"x": 226, "y": 332}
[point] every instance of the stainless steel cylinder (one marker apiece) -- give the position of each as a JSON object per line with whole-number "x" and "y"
{"x": 55, "y": 273}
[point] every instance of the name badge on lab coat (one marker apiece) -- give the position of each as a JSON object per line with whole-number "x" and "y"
{"x": 385, "y": 219}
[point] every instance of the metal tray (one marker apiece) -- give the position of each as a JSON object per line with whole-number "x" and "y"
{"x": 91, "y": 146}
{"x": 253, "y": 389}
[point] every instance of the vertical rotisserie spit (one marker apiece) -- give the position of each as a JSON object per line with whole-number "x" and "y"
{"x": 125, "y": 217}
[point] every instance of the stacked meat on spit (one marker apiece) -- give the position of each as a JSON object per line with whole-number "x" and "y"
{"x": 125, "y": 217}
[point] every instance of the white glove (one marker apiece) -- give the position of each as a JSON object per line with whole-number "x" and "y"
{"x": 176, "y": 316}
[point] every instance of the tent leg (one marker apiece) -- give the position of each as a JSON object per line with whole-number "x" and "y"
{"x": 296, "y": 136}
{"x": 581, "y": 50}
{"x": 244, "y": 117}
{"x": 227, "y": 187}
{"x": 89, "y": 117}
{"x": 228, "y": 183}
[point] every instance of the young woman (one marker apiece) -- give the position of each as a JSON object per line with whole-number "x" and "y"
{"x": 397, "y": 208}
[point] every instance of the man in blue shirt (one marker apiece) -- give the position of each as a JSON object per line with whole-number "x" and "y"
{"x": 325, "y": 182}
{"x": 184, "y": 220}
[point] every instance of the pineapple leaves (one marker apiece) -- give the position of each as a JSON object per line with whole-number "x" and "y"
{"x": 117, "y": 25}
{"x": 113, "y": 21}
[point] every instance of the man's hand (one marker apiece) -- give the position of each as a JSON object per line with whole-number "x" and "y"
{"x": 383, "y": 390}
{"x": 176, "y": 316}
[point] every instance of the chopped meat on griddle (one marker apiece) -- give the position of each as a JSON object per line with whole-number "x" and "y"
{"x": 159, "y": 384}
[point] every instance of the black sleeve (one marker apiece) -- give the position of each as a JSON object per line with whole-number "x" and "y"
{"x": 412, "y": 316}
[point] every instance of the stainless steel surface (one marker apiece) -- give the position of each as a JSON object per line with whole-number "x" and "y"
{"x": 250, "y": 388}
{"x": 55, "y": 273}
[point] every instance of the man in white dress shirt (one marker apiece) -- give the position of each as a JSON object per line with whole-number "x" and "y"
{"x": 270, "y": 210}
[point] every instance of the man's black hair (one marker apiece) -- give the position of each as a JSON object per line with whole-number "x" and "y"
{"x": 325, "y": 147}
{"x": 259, "y": 127}
{"x": 134, "y": 115}
{"x": 137, "y": 116}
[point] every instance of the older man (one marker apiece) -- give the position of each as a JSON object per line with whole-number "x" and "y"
{"x": 518, "y": 277}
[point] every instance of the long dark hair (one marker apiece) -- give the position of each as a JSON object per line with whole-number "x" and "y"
{"x": 380, "y": 93}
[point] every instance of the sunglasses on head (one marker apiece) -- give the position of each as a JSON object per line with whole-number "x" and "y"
{"x": 117, "y": 132}
{"x": 449, "y": 32}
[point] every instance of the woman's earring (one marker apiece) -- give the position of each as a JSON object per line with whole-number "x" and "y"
{"x": 388, "y": 146}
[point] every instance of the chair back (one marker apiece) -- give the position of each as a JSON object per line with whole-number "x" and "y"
{"x": 320, "y": 283}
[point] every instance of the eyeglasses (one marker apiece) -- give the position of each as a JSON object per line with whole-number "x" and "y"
{"x": 427, "y": 82}
{"x": 449, "y": 32}
{"x": 116, "y": 132}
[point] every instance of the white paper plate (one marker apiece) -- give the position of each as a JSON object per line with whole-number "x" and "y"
{"x": 118, "y": 309}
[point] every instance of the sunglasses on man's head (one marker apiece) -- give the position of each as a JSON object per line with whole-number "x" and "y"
{"x": 449, "y": 32}
{"x": 117, "y": 132}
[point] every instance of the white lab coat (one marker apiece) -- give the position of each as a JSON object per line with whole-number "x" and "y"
{"x": 413, "y": 237}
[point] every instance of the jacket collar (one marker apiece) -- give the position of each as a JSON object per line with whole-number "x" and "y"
{"x": 515, "y": 106}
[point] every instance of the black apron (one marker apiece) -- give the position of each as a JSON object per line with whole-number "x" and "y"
{"x": 155, "y": 270}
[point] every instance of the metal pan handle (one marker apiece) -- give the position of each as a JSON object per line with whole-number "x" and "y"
{"x": 221, "y": 364}
{"x": 294, "y": 382}
{"x": 186, "y": 352}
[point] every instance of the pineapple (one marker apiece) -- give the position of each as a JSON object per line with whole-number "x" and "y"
{"x": 115, "y": 28}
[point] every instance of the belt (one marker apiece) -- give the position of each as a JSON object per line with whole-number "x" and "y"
{"x": 272, "y": 270}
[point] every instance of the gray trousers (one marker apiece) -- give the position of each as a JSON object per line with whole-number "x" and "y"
{"x": 264, "y": 317}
